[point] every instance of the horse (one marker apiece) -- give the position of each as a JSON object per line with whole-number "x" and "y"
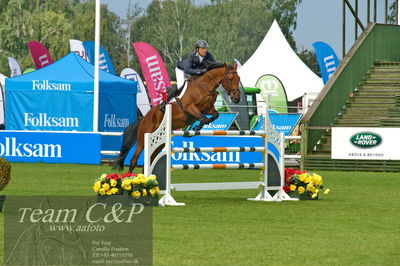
{"x": 197, "y": 102}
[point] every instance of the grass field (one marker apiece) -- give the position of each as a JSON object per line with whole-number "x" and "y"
{"x": 357, "y": 223}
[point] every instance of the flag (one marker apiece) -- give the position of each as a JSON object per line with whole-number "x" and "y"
{"x": 104, "y": 59}
{"x": 142, "y": 100}
{"x": 77, "y": 47}
{"x": 154, "y": 71}
{"x": 14, "y": 66}
{"x": 327, "y": 60}
{"x": 41, "y": 57}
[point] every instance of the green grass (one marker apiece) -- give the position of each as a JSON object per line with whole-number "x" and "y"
{"x": 357, "y": 223}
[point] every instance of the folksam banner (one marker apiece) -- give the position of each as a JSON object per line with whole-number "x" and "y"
{"x": 105, "y": 63}
{"x": 154, "y": 71}
{"x": 14, "y": 66}
{"x": 50, "y": 147}
{"x": 40, "y": 55}
{"x": 142, "y": 98}
{"x": 327, "y": 60}
{"x": 223, "y": 122}
{"x": 77, "y": 47}
{"x": 283, "y": 123}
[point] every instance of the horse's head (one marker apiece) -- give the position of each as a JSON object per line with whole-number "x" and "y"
{"x": 230, "y": 82}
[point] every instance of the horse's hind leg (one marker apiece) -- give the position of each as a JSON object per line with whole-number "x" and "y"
{"x": 138, "y": 151}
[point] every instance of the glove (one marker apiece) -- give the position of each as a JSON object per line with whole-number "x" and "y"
{"x": 201, "y": 71}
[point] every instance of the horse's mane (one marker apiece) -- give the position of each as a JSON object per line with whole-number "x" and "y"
{"x": 211, "y": 65}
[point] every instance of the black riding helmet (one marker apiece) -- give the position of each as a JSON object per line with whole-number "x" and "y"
{"x": 201, "y": 44}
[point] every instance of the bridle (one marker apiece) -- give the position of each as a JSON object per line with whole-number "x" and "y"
{"x": 213, "y": 92}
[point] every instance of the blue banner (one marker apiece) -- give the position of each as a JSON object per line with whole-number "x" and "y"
{"x": 223, "y": 122}
{"x": 105, "y": 63}
{"x": 283, "y": 123}
{"x": 213, "y": 157}
{"x": 327, "y": 60}
{"x": 50, "y": 147}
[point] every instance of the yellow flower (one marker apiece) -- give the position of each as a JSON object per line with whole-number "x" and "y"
{"x": 113, "y": 182}
{"x": 152, "y": 177}
{"x": 109, "y": 193}
{"x": 102, "y": 191}
{"x": 152, "y": 192}
{"x": 136, "y": 181}
{"x": 97, "y": 186}
{"x": 326, "y": 192}
{"x": 144, "y": 192}
{"x": 157, "y": 190}
{"x": 106, "y": 186}
{"x": 307, "y": 180}
{"x": 301, "y": 190}
{"x": 114, "y": 190}
{"x": 310, "y": 187}
{"x": 293, "y": 187}
{"x": 135, "y": 194}
{"x": 302, "y": 177}
{"x": 103, "y": 176}
{"x": 313, "y": 196}
{"x": 128, "y": 187}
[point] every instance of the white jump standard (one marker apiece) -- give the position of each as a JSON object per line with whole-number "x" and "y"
{"x": 272, "y": 167}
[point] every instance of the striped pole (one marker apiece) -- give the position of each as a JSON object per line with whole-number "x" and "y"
{"x": 217, "y": 166}
{"x": 219, "y": 149}
{"x": 192, "y": 133}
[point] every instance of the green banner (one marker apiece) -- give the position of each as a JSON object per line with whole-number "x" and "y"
{"x": 273, "y": 93}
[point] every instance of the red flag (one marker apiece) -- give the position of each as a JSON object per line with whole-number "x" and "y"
{"x": 39, "y": 53}
{"x": 154, "y": 71}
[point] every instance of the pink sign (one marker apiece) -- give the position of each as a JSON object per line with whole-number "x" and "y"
{"x": 40, "y": 55}
{"x": 154, "y": 71}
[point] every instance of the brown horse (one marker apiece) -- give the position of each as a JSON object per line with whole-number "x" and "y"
{"x": 197, "y": 101}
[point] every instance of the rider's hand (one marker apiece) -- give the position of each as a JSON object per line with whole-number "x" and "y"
{"x": 201, "y": 71}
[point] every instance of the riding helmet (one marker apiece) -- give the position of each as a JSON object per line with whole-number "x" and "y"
{"x": 201, "y": 44}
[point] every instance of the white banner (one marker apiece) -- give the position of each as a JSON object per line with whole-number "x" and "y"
{"x": 142, "y": 100}
{"x": 77, "y": 47}
{"x": 14, "y": 66}
{"x": 365, "y": 143}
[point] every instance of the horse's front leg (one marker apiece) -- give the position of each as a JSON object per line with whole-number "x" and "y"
{"x": 207, "y": 120}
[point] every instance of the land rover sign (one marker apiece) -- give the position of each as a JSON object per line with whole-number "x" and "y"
{"x": 366, "y": 140}
{"x": 365, "y": 143}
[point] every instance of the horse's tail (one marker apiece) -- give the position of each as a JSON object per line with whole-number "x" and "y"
{"x": 128, "y": 139}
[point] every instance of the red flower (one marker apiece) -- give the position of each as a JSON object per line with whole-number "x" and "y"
{"x": 286, "y": 188}
{"x": 289, "y": 172}
{"x": 127, "y": 175}
{"x": 112, "y": 176}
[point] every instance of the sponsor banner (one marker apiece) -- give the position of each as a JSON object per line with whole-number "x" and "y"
{"x": 283, "y": 123}
{"x": 77, "y": 230}
{"x": 105, "y": 63}
{"x": 223, "y": 122}
{"x": 327, "y": 60}
{"x": 40, "y": 55}
{"x": 271, "y": 93}
{"x": 50, "y": 147}
{"x": 14, "y": 66}
{"x": 77, "y": 47}
{"x": 154, "y": 71}
{"x": 213, "y": 157}
{"x": 363, "y": 143}
{"x": 142, "y": 99}
{"x": 30, "y": 115}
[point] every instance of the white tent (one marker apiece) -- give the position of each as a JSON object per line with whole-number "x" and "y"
{"x": 275, "y": 56}
{"x": 2, "y": 82}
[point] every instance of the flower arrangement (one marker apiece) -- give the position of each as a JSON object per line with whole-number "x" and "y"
{"x": 308, "y": 186}
{"x": 127, "y": 184}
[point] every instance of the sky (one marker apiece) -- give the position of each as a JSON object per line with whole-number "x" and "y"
{"x": 317, "y": 20}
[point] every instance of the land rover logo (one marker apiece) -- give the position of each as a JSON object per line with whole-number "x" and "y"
{"x": 366, "y": 140}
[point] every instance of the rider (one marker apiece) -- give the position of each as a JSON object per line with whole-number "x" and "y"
{"x": 195, "y": 64}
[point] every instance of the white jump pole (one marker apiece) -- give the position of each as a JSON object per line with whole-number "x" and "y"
{"x": 96, "y": 70}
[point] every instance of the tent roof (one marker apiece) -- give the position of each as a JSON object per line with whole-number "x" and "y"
{"x": 73, "y": 69}
{"x": 275, "y": 56}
